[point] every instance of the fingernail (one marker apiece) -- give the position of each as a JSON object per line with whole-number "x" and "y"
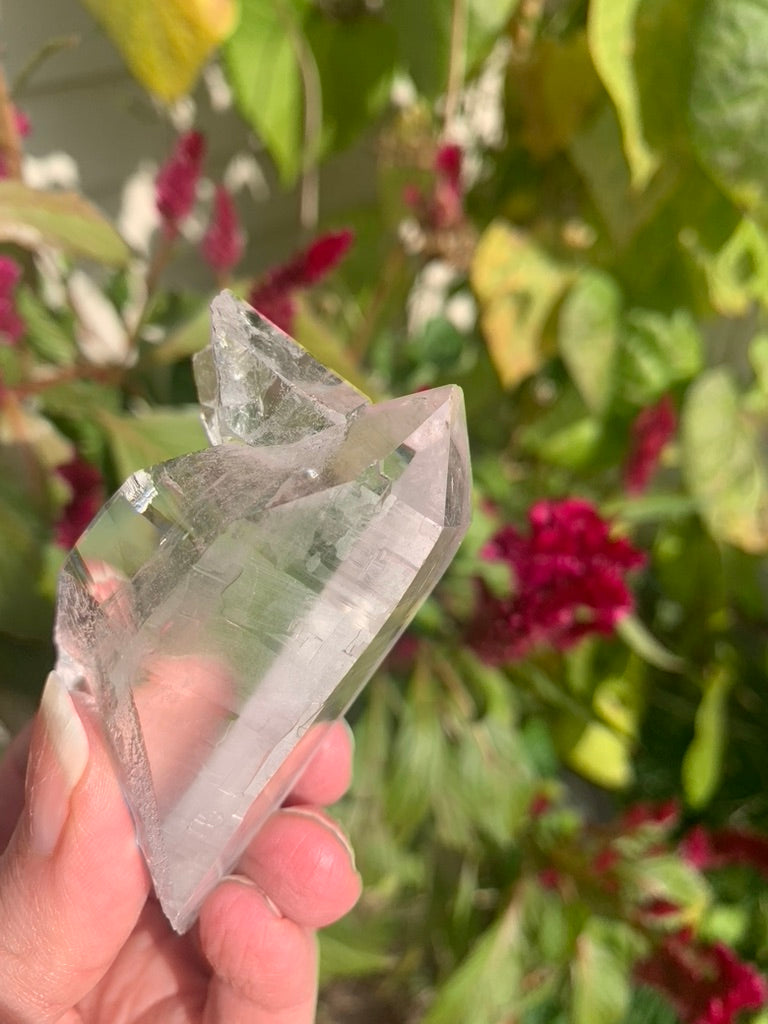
{"x": 350, "y": 733}
{"x": 57, "y": 767}
{"x": 250, "y": 884}
{"x": 327, "y": 823}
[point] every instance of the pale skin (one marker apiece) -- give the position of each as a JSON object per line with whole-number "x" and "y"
{"x": 83, "y": 941}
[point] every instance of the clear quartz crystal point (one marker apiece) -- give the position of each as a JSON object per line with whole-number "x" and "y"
{"x": 223, "y": 607}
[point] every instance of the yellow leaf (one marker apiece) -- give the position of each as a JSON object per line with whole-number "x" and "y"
{"x": 596, "y": 752}
{"x": 517, "y": 284}
{"x": 165, "y": 42}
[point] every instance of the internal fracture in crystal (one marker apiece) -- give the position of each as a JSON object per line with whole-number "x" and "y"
{"x": 223, "y": 607}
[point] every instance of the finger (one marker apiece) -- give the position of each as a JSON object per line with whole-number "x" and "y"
{"x": 13, "y": 768}
{"x": 301, "y": 860}
{"x": 183, "y": 706}
{"x": 72, "y": 881}
{"x": 328, "y": 775}
{"x": 265, "y": 965}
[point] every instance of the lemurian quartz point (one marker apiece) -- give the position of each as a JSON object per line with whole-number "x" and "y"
{"x": 223, "y": 607}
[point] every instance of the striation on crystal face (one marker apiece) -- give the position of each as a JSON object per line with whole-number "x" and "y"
{"x": 224, "y": 605}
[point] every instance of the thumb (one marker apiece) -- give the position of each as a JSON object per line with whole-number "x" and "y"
{"x": 72, "y": 881}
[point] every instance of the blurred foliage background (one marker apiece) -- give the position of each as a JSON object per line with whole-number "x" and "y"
{"x": 561, "y": 800}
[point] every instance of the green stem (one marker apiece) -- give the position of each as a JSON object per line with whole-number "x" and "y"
{"x": 457, "y": 60}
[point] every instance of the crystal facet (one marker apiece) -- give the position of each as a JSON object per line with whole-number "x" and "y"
{"x": 224, "y": 605}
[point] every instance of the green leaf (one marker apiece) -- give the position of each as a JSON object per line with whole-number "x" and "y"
{"x": 265, "y": 57}
{"x": 517, "y": 284}
{"x": 359, "y": 50}
{"x": 165, "y": 42}
{"x": 610, "y": 32}
{"x": 661, "y": 62}
{"x": 24, "y": 527}
{"x": 667, "y": 877}
{"x": 486, "y": 985}
{"x": 555, "y": 88}
{"x": 638, "y": 638}
{"x": 728, "y": 112}
{"x": 649, "y": 1007}
{"x": 46, "y": 336}
{"x": 588, "y": 336}
{"x": 419, "y": 762}
{"x": 650, "y": 508}
{"x": 151, "y": 437}
{"x": 340, "y": 959}
{"x": 600, "y": 975}
{"x": 657, "y": 353}
{"x": 737, "y": 274}
{"x": 725, "y": 462}
{"x": 703, "y": 761}
{"x": 486, "y": 786}
{"x": 62, "y": 219}
{"x": 597, "y": 154}
{"x": 565, "y": 435}
{"x": 758, "y": 357}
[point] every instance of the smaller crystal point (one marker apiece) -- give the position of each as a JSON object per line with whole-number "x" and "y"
{"x": 257, "y": 385}
{"x": 224, "y": 607}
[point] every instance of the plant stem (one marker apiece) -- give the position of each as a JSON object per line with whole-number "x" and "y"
{"x": 49, "y": 49}
{"x": 309, "y": 201}
{"x": 457, "y": 61}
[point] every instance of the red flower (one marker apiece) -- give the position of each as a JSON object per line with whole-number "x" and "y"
{"x": 21, "y": 120}
{"x": 569, "y": 582}
{"x": 11, "y": 324}
{"x": 176, "y": 182}
{"x": 651, "y": 431}
{"x": 540, "y": 804}
{"x": 87, "y": 495}
{"x": 549, "y": 878}
{"x": 274, "y": 295}
{"x": 605, "y": 861}
{"x": 223, "y": 242}
{"x": 444, "y": 208}
{"x": 664, "y": 815}
{"x": 704, "y": 984}
{"x": 706, "y": 850}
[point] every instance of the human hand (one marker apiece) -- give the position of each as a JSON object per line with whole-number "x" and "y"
{"x": 83, "y": 942}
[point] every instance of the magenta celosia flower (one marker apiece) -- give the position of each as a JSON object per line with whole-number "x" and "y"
{"x": 704, "y": 984}
{"x": 651, "y": 431}
{"x": 23, "y": 126}
{"x": 176, "y": 182}
{"x": 569, "y": 581}
{"x": 10, "y": 273}
{"x": 11, "y": 324}
{"x": 87, "y": 489}
{"x": 274, "y": 295}
{"x": 443, "y": 208}
{"x": 660, "y": 815}
{"x": 224, "y": 241}
{"x": 722, "y": 847}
